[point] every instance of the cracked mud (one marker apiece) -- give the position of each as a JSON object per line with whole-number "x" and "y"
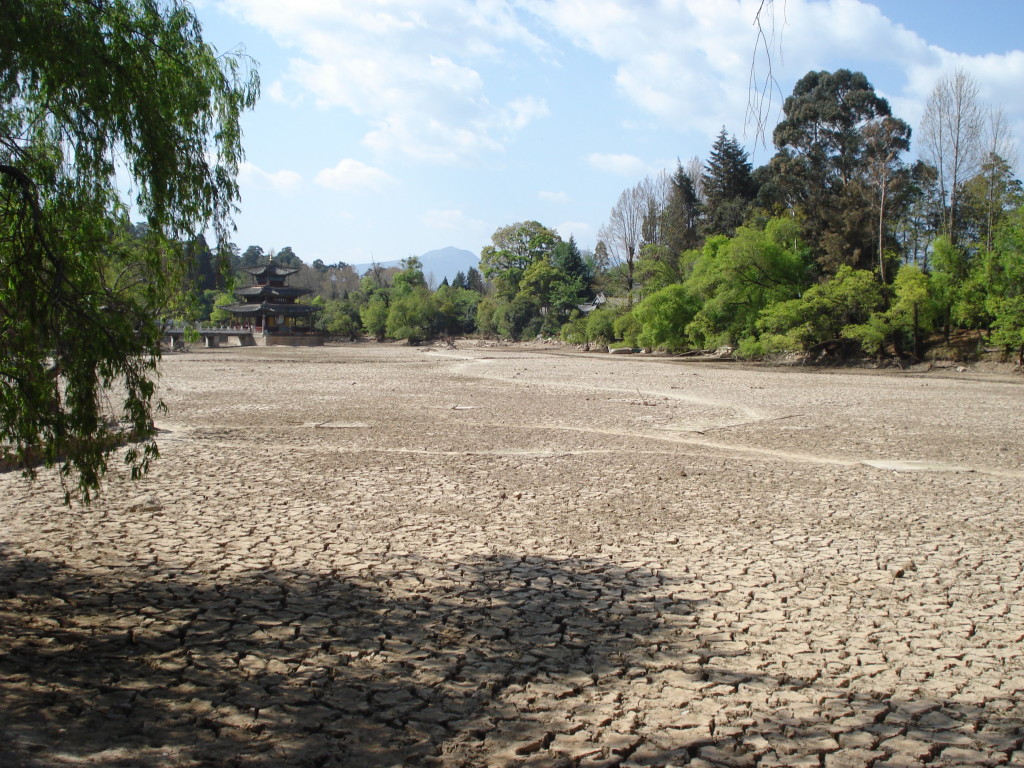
{"x": 380, "y": 555}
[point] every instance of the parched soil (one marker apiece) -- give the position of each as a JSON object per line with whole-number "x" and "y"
{"x": 377, "y": 555}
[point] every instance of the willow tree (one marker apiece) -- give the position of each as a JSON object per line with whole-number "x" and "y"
{"x": 106, "y": 106}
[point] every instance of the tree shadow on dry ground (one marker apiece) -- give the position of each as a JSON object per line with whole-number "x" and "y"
{"x": 500, "y": 660}
{"x": 146, "y": 667}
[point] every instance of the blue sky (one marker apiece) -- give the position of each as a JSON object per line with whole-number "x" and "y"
{"x": 389, "y": 128}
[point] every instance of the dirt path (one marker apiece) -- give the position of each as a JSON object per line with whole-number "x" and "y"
{"x": 379, "y": 555}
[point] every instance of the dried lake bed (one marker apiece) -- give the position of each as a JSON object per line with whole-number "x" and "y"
{"x": 381, "y": 555}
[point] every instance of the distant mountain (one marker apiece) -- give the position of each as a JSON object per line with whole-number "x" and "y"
{"x": 438, "y": 264}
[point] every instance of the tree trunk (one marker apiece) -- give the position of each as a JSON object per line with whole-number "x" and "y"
{"x": 917, "y": 337}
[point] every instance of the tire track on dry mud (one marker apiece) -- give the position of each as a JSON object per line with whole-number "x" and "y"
{"x": 473, "y": 367}
{"x": 177, "y": 432}
{"x": 752, "y": 417}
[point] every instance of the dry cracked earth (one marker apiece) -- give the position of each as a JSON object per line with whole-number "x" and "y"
{"x": 377, "y": 555}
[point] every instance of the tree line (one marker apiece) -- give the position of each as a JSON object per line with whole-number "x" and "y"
{"x": 836, "y": 245}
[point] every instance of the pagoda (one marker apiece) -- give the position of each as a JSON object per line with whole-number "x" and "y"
{"x": 268, "y": 306}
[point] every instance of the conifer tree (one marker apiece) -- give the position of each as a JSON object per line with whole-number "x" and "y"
{"x": 728, "y": 186}
{"x": 682, "y": 214}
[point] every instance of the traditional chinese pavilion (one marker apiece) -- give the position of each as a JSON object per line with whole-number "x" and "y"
{"x": 268, "y": 305}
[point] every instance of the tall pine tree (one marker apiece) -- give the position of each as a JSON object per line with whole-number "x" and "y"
{"x": 728, "y": 186}
{"x": 682, "y": 214}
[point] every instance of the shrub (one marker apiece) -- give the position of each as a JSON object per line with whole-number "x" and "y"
{"x": 601, "y": 326}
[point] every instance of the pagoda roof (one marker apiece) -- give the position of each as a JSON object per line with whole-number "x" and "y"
{"x": 283, "y": 291}
{"x": 293, "y": 310}
{"x": 271, "y": 270}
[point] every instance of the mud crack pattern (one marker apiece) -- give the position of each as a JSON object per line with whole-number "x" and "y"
{"x": 377, "y": 555}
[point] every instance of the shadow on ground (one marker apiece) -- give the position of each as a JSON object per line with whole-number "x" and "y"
{"x": 488, "y": 662}
{"x": 143, "y": 666}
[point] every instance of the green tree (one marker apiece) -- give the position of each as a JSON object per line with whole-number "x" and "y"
{"x": 411, "y": 315}
{"x": 288, "y": 258}
{"x": 910, "y": 313}
{"x": 374, "y": 316}
{"x": 737, "y": 278}
{"x": 519, "y": 318}
{"x": 627, "y": 328}
{"x": 601, "y": 325}
{"x": 829, "y": 165}
{"x": 340, "y": 317}
{"x": 474, "y": 280}
{"x": 912, "y": 310}
{"x": 683, "y": 213}
{"x": 220, "y": 300}
{"x": 203, "y": 265}
{"x": 89, "y": 92}
{"x": 539, "y": 281}
{"x": 663, "y": 317}
{"x": 574, "y": 331}
{"x": 957, "y": 285}
{"x": 918, "y": 224}
{"x": 729, "y": 186}
{"x": 657, "y": 267}
{"x": 819, "y": 316}
{"x": 410, "y": 278}
{"x": 456, "y": 310}
{"x": 514, "y": 248}
{"x": 567, "y": 259}
{"x": 253, "y": 257}
{"x": 1006, "y": 297}
{"x": 986, "y": 200}
{"x": 487, "y": 312}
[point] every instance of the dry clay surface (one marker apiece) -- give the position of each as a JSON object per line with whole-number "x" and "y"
{"x": 376, "y": 555}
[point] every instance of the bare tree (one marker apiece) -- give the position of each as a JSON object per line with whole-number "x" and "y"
{"x": 952, "y": 135}
{"x": 657, "y": 190}
{"x": 694, "y": 168}
{"x": 629, "y": 224}
{"x": 885, "y": 140}
{"x": 1000, "y": 152}
{"x": 999, "y": 139}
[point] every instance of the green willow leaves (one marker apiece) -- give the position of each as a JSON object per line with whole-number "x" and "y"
{"x": 103, "y": 104}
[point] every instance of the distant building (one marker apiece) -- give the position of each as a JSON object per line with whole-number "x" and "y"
{"x": 269, "y": 307}
{"x": 590, "y": 306}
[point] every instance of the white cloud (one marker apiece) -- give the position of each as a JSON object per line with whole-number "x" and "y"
{"x": 688, "y": 62}
{"x": 410, "y": 68}
{"x": 435, "y": 80}
{"x": 282, "y": 181}
{"x": 349, "y": 175}
{"x": 276, "y": 91}
{"x": 624, "y": 165}
{"x": 519, "y": 113}
{"x": 553, "y": 197}
{"x": 672, "y": 60}
{"x": 450, "y": 219}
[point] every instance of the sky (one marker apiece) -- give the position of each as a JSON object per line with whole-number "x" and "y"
{"x": 389, "y": 128}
